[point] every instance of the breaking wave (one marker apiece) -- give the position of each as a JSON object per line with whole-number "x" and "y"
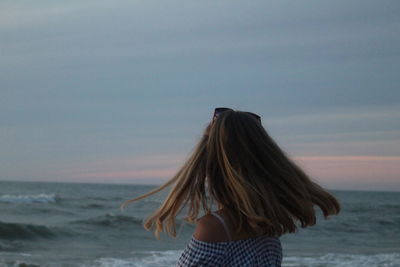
{"x": 12, "y": 231}
{"x": 110, "y": 220}
{"x": 170, "y": 257}
{"x": 345, "y": 260}
{"x": 41, "y": 198}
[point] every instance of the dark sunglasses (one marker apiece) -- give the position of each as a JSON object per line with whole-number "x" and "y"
{"x": 218, "y": 112}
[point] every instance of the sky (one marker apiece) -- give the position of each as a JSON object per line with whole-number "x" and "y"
{"x": 120, "y": 91}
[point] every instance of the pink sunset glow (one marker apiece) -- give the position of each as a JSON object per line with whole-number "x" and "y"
{"x": 131, "y": 174}
{"x": 339, "y": 172}
{"x": 343, "y": 171}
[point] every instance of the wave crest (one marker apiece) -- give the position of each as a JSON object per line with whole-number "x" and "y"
{"x": 110, "y": 220}
{"x": 12, "y": 231}
{"x": 41, "y": 198}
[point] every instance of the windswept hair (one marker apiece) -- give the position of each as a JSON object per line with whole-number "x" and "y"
{"x": 239, "y": 166}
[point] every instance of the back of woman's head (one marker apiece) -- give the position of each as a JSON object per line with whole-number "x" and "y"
{"x": 238, "y": 166}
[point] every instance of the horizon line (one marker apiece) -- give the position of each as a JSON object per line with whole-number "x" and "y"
{"x": 159, "y": 184}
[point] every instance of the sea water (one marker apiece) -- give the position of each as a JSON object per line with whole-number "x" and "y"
{"x": 65, "y": 224}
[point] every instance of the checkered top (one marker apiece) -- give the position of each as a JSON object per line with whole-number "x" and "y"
{"x": 257, "y": 251}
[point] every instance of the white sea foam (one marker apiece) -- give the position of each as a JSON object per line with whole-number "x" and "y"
{"x": 41, "y": 198}
{"x": 159, "y": 258}
{"x": 345, "y": 260}
{"x": 142, "y": 259}
{"x": 169, "y": 258}
{"x": 7, "y": 259}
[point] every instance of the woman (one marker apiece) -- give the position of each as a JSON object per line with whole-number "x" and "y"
{"x": 259, "y": 192}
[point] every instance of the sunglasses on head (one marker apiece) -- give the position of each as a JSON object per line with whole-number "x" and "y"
{"x": 218, "y": 112}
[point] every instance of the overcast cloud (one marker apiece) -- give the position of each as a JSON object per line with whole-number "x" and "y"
{"x": 83, "y": 82}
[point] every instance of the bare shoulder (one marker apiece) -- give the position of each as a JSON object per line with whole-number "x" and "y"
{"x": 210, "y": 229}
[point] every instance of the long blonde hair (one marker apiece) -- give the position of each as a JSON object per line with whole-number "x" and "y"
{"x": 239, "y": 166}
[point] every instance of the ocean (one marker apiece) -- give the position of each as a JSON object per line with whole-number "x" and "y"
{"x": 66, "y": 224}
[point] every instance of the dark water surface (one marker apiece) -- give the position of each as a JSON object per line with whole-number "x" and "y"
{"x": 65, "y": 224}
